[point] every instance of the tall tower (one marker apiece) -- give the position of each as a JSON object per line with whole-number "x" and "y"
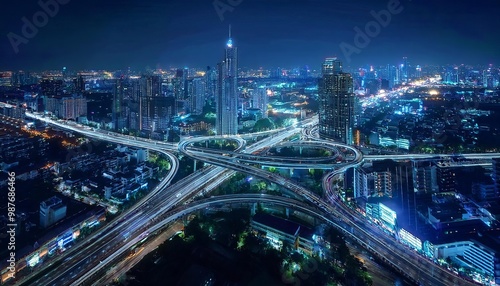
{"x": 404, "y": 70}
{"x": 118, "y": 103}
{"x": 227, "y": 91}
{"x": 336, "y": 97}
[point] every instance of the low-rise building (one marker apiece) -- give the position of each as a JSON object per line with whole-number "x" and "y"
{"x": 51, "y": 211}
{"x": 278, "y": 230}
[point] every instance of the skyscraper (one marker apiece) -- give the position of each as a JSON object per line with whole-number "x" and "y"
{"x": 118, "y": 121}
{"x": 227, "y": 92}
{"x": 336, "y": 103}
{"x": 496, "y": 174}
{"x": 404, "y": 70}
{"x": 155, "y": 109}
{"x": 197, "y": 92}
{"x": 260, "y": 100}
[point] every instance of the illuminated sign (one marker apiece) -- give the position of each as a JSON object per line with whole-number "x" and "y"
{"x": 387, "y": 215}
{"x": 410, "y": 239}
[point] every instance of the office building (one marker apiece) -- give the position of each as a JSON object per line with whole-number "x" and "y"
{"x": 336, "y": 97}
{"x": 404, "y": 70}
{"x": 118, "y": 95}
{"x": 155, "y": 109}
{"x": 196, "y": 97}
{"x": 483, "y": 256}
{"x": 51, "y": 211}
{"x": 227, "y": 92}
{"x": 446, "y": 177}
{"x": 424, "y": 177}
{"x": 260, "y": 100}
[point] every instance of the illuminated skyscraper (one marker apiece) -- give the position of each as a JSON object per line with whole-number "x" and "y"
{"x": 197, "y": 92}
{"x": 336, "y": 97}
{"x": 404, "y": 70}
{"x": 118, "y": 104}
{"x": 155, "y": 109}
{"x": 260, "y": 100}
{"x": 227, "y": 92}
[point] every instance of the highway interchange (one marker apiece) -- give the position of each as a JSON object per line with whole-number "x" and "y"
{"x": 85, "y": 261}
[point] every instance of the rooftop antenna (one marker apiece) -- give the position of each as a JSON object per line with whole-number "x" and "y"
{"x": 229, "y": 31}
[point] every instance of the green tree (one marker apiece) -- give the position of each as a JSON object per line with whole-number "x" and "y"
{"x": 264, "y": 124}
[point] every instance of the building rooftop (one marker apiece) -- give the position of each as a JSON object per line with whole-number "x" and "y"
{"x": 283, "y": 225}
{"x": 51, "y": 202}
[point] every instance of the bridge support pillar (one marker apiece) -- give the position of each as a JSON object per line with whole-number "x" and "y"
{"x": 253, "y": 209}
{"x": 287, "y": 212}
{"x": 300, "y": 150}
{"x": 194, "y": 166}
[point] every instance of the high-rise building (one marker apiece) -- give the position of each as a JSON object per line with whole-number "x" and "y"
{"x": 79, "y": 84}
{"x": 227, "y": 92}
{"x": 72, "y": 107}
{"x": 178, "y": 84}
{"x": 155, "y": 109}
{"x": 383, "y": 183}
{"x": 424, "y": 177}
{"x": 418, "y": 71}
{"x": 404, "y": 70}
{"x": 118, "y": 95}
{"x": 260, "y": 100}
{"x": 488, "y": 78}
{"x": 197, "y": 92}
{"x": 211, "y": 83}
{"x": 496, "y": 174}
{"x": 51, "y": 87}
{"x": 336, "y": 97}
{"x": 360, "y": 183}
{"x": 446, "y": 178}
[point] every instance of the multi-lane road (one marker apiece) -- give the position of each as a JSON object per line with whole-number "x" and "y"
{"x": 134, "y": 224}
{"x": 154, "y": 212}
{"x": 401, "y": 258}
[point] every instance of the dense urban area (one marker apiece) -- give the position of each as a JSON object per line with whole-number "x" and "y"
{"x": 326, "y": 174}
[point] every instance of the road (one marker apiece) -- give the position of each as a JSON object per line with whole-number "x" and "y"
{"x": 407, "y": 262}
{"x": 336, "y": 213}
{"x": 119, "y": 270}
{"x": 104, "y": 244}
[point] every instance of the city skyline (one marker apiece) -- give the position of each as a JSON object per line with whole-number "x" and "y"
{"x": 139, "y": 138}
{"x": 270, "y": 33}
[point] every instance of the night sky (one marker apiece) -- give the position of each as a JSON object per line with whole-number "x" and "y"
{"x": 100, "y": 34}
